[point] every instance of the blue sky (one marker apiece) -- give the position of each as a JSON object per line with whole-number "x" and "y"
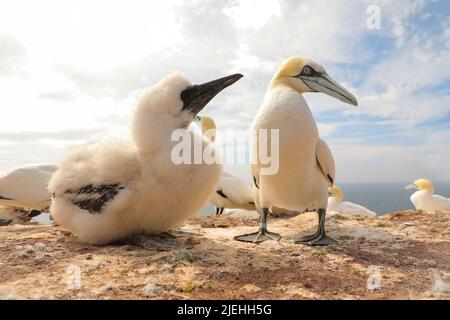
{"x": 70, "y": 73}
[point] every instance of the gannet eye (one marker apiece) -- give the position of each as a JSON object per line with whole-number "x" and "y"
{"x": 307, "y": 71}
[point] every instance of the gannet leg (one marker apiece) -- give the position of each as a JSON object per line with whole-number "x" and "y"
{"x": 319, "y": 238}
{"x": 262, "y": 234}
{"x": 219, "y": 211}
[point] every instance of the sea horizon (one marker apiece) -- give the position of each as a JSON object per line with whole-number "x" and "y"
{"x": 380, "y": 197}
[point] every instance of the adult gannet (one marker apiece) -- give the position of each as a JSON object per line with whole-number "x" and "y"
{"x": 26, "y": 187}
{"x": 306, "y": 165}
{"x": 335, "y": 204}
{"x": 425, "y": 199}
{"x": 231, "y": 192}
{"x": 109, "y": 190}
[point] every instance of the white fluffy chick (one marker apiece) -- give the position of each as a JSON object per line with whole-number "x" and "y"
{"x": 109, "y": 190}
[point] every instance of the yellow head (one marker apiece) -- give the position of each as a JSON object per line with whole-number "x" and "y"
{"x": 304, "y": 75}
{"x": 336, "y": 192}
{"x": 208, "y": 126}
{"x": 421, "y": 184}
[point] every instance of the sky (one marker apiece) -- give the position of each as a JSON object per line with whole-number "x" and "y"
{"x": 70, "y": 72}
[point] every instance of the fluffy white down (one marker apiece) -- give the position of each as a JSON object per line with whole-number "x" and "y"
{"x": 427, "y": 201}
{"x": 346, "y": 207}
{"x": 158, "y": 194}
{"x": 239, "y": 194}
{"x": 26, "y": 186}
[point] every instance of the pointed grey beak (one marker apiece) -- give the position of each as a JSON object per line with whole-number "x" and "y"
{"x": 410, "y": 186}
{"x": 196, "y": 97}
{"x": 324, "y": 83}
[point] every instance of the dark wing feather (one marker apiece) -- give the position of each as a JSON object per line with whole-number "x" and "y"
{"x": 223, "y": 195}
{"x": 94, "y": 197}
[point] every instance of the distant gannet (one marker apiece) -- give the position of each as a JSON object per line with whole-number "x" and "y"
{"x": 306, "y": 165}
{"x": 425, "y": 199}
{"x": 335, "y": 204}
{"x": 231, "y": 192}
{"x": 26, "y": 187}
{"x": 106, "y": 191}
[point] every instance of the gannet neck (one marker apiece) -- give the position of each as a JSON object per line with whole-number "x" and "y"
{"x": 290, "y": 83}
{"x": 337, "y": 193}
{"x": 208, "y": 127}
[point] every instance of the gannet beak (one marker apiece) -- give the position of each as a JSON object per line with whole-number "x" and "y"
{"x": 322, "y": 82}
{"x": 410, "y": 186}
{"x": 196, "y": 97}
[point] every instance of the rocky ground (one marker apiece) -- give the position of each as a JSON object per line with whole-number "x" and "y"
{"x": 403, "y": 255}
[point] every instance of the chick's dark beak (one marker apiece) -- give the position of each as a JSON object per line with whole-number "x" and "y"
{"x": 196, "y": 97}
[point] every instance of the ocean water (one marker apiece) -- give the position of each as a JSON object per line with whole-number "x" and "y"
{"x": 385, "y": 197}
{"x": 381, "y": 198}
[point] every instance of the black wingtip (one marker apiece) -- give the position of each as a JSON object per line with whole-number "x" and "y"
{"x": 223, "y": 195}
{"x": 33, "y": 213}
{"x": 254, "y": 182}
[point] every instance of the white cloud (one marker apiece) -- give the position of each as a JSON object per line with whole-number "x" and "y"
{"x": 326, "y": 129}
{"x": 253, "y": 13}
{"x": 12, "y": 56}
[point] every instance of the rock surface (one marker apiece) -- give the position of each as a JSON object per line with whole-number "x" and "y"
{"x": 403, "y": 255}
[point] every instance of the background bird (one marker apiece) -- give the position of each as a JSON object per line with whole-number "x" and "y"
{"x": 231, "y": 192}
{"x": 425, "y": 199}
{"x": 26, "y": 187}
{"x": 306, "y": 166}
{"x": 109, "y": 190}
{"x": 337, "y": 205}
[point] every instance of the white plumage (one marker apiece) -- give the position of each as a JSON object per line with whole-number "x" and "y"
{"x": 109, "y": 190}
{"x": 231, "y": 192}
{"x": 26, "y": 187}
{"x": 300, "y": 182}
{"x": 425, "y": 199}
{"x": 337, "y": 205}
{"x": 306, "y": 165}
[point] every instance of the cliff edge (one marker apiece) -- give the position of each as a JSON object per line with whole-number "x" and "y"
{"x": 403, "y": 255}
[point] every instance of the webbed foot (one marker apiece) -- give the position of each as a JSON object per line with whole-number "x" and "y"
{"x": 257, "y": 237}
